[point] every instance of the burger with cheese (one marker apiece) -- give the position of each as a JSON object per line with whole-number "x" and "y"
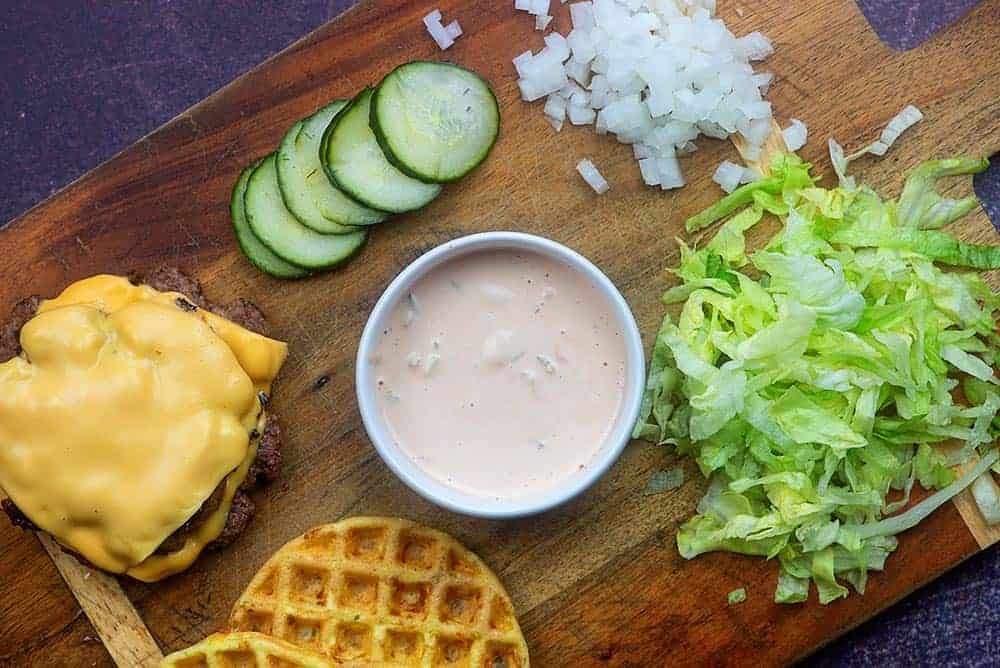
{"x": 133, "y": 417}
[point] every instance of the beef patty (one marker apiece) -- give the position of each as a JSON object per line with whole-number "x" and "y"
{"x": 265, "y": 465}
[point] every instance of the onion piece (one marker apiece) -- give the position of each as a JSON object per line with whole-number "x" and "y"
{"x": 593, "y": 177}
{"x": 750, "y": 175}
{"x": 454, "y": 29}
{"x": 728, "y": 175}
{"x": 755, "y": 46}
{"x": 580, "y": 114}
{"x": 763, "y": 81}
{"x": 647, "y": 167}
{"x": 442, "y": 36}
{"x": 539, "y": 7}
{"x": 670, "y": 172}
{"x": 542, "y": 22}
{"x": 555, "y": 106}
{"x": 795, "y": 135}
{"x": 582, "y": 15}
{"x": 658, "y": 74}
{"x": 520, "y": 61}
{"x": 899, "y": 123}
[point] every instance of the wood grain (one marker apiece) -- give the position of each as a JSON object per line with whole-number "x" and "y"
{"x": 112, "y": 615}
{"x": 598, "y": 581}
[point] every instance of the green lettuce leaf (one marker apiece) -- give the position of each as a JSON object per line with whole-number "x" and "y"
{"x": 811, "y": 379}
{"x": 933, "y": 245}
{"x": 921, "y": 206}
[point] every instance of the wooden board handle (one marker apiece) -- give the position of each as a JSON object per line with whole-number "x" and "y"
{"x": 112, "y": 614}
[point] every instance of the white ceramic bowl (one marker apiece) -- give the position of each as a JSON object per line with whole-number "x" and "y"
{"x": 440, "y": 493}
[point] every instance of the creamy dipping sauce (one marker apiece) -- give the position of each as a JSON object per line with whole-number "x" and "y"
{"x": 501, "y": 373}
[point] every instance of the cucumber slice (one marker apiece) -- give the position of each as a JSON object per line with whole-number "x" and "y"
{"x": 306, "y": 191}
{"x": 435, "y": 121}
{"x": 256, "y": 252}
{"x": 287, "y": 238}
{"x": 355, "y": 163}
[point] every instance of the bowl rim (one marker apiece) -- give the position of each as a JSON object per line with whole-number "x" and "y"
{"x": 438, "y": 492}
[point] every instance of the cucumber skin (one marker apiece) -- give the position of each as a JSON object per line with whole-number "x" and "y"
{"x": 383, "y": 142}
{"x": 349, "y": 227}
{"x": 318, "y": 267}
{"x": 247, "y": 253}
{"x": 324, "y": 144}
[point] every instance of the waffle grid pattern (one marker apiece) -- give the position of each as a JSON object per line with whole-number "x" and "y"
{"x": 245, "y": 650}
{"x": 384, "y": 592}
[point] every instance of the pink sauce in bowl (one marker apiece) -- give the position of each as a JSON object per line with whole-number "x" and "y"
{"x": 500, "y": 374}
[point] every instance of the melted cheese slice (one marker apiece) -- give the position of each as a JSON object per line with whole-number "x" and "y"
{"x": 123, "y": 414}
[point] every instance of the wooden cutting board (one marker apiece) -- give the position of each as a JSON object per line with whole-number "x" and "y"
{"x": 599, "y": 581}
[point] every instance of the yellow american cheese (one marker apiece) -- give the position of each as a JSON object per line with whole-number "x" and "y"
{"x": 123, "y": 414}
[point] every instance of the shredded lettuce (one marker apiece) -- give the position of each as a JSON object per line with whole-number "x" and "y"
{"x": 811, "y": 380}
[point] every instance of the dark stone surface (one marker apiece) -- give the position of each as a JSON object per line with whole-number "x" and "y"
{"x": 987, "y": 186}
{"x": 80, "y": 81}
{"x": 906, "y": 24}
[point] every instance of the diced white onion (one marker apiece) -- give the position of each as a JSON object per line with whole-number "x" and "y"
{"x": 593, "y": 177}
{"x": 530, "y": 91}
{"x": 650, "y": 174}
{"x": 580, "y": 114}
{"x": 542, "y": 22}
{"x": 580, "y": 97}
{"x": 657, "y": 74}
{"x": 755, "y": 46}
{"x": 899, "y": 124}
{"x": 522, "y": 5}
{"x": 763, "y": 81}
{"x": 454, "y": 29}
{"x": 582, "y": 15}
{"x": 581, "y": 45}
{"x": 643, "y": 151}
{"x": 442, "y": 36}
{"x": 759, "y": 131}
{"x": 728, "y": 175}
{"x": 556, "y": 46}
{"x": 670, "y": 172}
{"x": 539, "y": 7}
{"x": 578, "y": 70}
{"x": 555, "y": 106}
{"x": 795, "y": 135}
{"x": 756, "y": 109}
{"x": 520, "y": 61}
{"x": 750, "y": 175}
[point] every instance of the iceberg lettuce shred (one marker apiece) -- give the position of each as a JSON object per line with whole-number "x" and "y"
{"x": 811, "y": 380}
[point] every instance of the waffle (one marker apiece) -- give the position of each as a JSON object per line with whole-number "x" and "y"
{"x": 246, "y": 650}
{"x": 385, "y": 592}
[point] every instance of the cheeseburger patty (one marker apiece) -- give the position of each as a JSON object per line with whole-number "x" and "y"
{"x": 266, "y": 464}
